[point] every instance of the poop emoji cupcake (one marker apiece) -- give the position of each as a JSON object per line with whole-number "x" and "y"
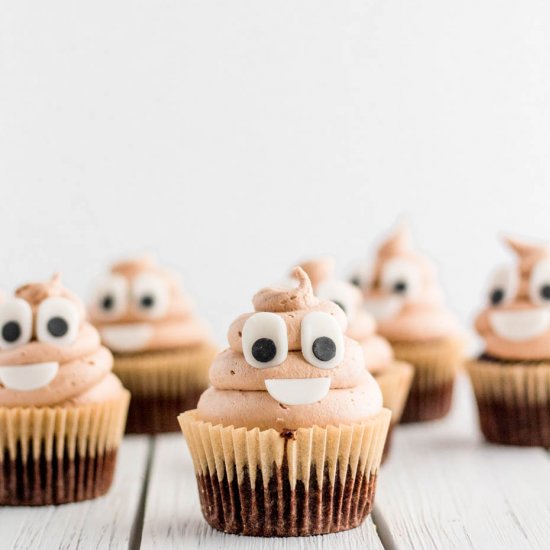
{"x": 402, "y": 293}
{"x": 162, "y": 351}
{"x": 289, "y": 438}
{"x": 511, "y": 379}
{"x": 394, "y": 377}
{"x": 62, "y": 411}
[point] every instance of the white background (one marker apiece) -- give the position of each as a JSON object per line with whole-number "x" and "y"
{"x": 235, "y": 138}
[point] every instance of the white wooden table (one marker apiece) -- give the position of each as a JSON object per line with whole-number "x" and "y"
{"x": 443, "y": 488}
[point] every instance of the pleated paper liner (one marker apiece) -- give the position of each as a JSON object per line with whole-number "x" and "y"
{"x": 395, "y": 382}
{"x": 55, "y": 455}
{"x": 163, "y": 383}
{"x": 304, "y": 482}
{"x": 513, "y": 400}
{"x": 436, "y": 363}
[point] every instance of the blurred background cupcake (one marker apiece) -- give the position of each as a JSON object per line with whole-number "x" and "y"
{"x": 62, "y": 411}
{"x": 402, "y": 293}
{"x": 289, "y": 438}
{"x": 162, "y": 350}
{"x": 394, "y": 377}
{"x": 511, "y": 379}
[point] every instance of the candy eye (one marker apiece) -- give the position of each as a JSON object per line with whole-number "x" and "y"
{"x": 150, "y": 295}
{"x": 15, "y": 323}
{"x": 539, "y": 285}
{"x": 342, "y": 294}
{"x": 503, "y": 287}
{"x": 361, "y": 276}
{"x": 401, "y": 278}
{"x": 322, "y": 340}
{"x": 57, "y": 321}
{"x": 265, "y": 340}
{"x": 111, "y": 298}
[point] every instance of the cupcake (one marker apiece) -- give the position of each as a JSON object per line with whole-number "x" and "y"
{"x": 394, "y": 377}
{"x": 289, "y": 438}
{"x": 162, "y": 351}
{"x": 402, "y": 293}
{"x": 62, "y": 411}
{"x": 511, "y": 379}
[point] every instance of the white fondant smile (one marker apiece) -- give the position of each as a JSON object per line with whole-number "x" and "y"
{"x": 518, "y": 326}
{"x": 298, "y": 391}
{"x": 128, "y": 337}
{"x": 383, "y": 308}
{"x": 28, "y": 377}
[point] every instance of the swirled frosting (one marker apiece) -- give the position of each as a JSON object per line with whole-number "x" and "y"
{"x": 361, "y": 325}
{"x": 140, "y": 306}
{"x": 515, "y": 323}
{"x": 40, "y": 372}
{"x": 245, "y": 396}
{"x": 403, "y": 294}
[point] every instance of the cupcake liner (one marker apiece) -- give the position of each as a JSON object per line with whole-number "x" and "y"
{"x": 163, "y": 383}
{"x": 304, "y": 482}
{"x": 436, "y": 364}
{"x": 395, "y": 382}
{"x": 55, "y": 455}
{"x": 513, "y": 400}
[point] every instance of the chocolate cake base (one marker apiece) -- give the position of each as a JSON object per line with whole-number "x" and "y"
{"x": 39, "y": 481}
{"x": 428, "y": 404}
{"x": 279, "y": 511}
{"x": 157, "y": 414}
{"x": 526, "y": 425}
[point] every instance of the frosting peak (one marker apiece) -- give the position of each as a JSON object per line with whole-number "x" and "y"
{"x": 139, "y": 306}
{"x": 403, "y": 293}
{"x": 515, "y": 324}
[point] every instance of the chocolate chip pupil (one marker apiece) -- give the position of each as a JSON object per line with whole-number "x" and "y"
{"x": 264, "y": 350}
{"x": 497, "y": 296}
{"x": 57, "y": 326}
{"x": 11, "y": 331}
{"x": 355, "y": 281}
{"x": 108, "y": 302}
{"x": 324, "y": 348}
{"x": 147, "y": 301}
{"x": 400, "y": 287}
{"x": 340, "y": 305}
{"x": 545, "y": 292}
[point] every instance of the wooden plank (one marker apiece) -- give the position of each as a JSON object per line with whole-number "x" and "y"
{"x": 445, "y": 488}
{"x": 105, "y": 522}
{"x": 173, "y": 518}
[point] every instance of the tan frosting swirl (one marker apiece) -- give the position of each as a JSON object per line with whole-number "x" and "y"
{"x": 415, "y": 313}
{"x": 361, "y": 326}
{"x": 517, "y": 327}
{"x": 238, "y": 394}
{"x": 131, "y": 327}
{"x": 83, "y": 366}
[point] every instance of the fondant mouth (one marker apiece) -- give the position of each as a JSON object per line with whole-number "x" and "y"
{"x": 383, "y": 308}
{"x": 301, "y": 391}
{"x": 127, "y": 337}
{"x": 28, "y": 377}
{"x": 518, "y": 326}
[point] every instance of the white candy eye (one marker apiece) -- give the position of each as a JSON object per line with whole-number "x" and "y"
{"x": 265, "y": 340}
{"x": 111, "y": 299}
{"x": 322, "y": 340}
{"x": 342, "y": 294}
{"x": 539, "y": 285}
{"x": 57, "y": 321}
{"x": 15, "y": 323}
{"x": 361, "y": 276}
{"x": 503, "y": 287}
{"x": 150, "y": 295}
{"x": 401, "y": 278}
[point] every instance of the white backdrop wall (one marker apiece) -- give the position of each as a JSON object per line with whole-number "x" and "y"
{"x": 234, "y": 138}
